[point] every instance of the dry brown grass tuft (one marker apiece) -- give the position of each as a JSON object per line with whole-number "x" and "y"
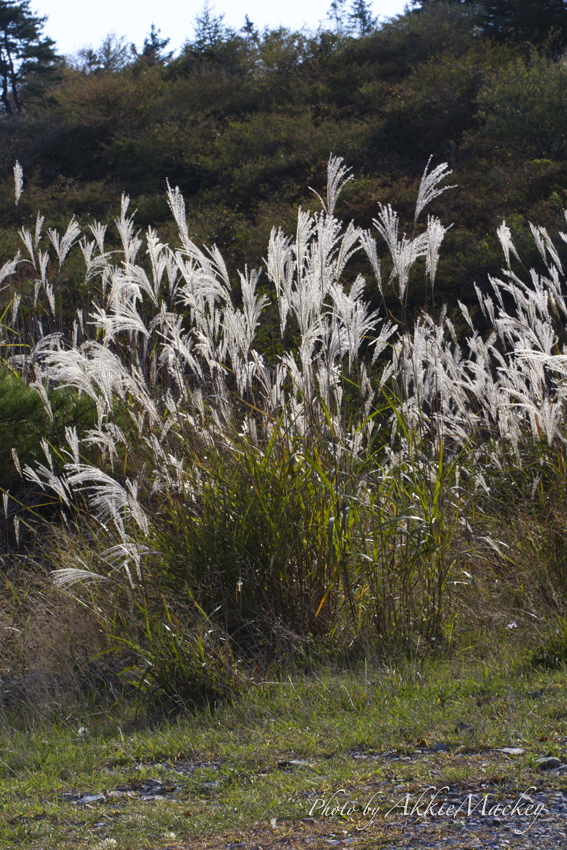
{"x": 50, "y": 641}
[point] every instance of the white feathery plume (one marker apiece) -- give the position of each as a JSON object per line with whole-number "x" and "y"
{"x": 38, "y": 225}
{"x": 382, "y": 340}
{"x": 369, "y": 245}
{"x": 347, "y": 248}
{"x": 98, "y": 230}
{"x": 435, "y": 235}
{"x": 545, "y": 245}
{"x": 177, "y": 348}
{"x": 252, "y": 305}
{"x": 15, "y": 306}
{"x": 43, "y": 260}
{"x": 404, "y": 251}
{"x": 465, "y": 311}
{"x": 505, "y": 235}
{"x": 63, "y": 244}
{"x": 105, "y": 440}
{"x": 27, "y": 238}
{"x": 131, "y": 242}
{"x": 69, "y": 368}
{"x": 126, "y": 551}
{"x": 136, "y": 277}
{"x": 336, "y": 173}
{"x": 304, "y": 231}
{"x": 87, "y": 249}
{"x": 67, "y": 576}
{"x": 159, "y": 256}
{"x": 107, "y": 497}
{"x": 172, "y": 274}
{"x": 429, "y": 187}
{"x": 280, "y": 269}
{"x": 125, "y": 318}
{"x": 9, "y": 268}
{"x": 336, "y": 181}
{"x": 18, "y": 181}
{"x": 16, "y": 460}
{"x": 177, "y": 206}
{"x": 73, "y": 441}
{"x": 37, "y": 385}
{"x": 46, "y": 479}
{"x": 49, "y": 294}
{"x": 352, "y": 313}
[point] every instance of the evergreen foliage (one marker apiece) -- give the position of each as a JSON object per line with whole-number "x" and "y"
{"x": 517, "y": 21}
{"x": 524, "y": 20}
{"x": 26, "y": 56}
{"x": 360, "y": 18}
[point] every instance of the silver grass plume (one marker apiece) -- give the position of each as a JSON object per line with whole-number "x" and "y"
{"x": 429, "y": 188}
{"x": 18, "y": 181}
{"x": 63, "y": 244}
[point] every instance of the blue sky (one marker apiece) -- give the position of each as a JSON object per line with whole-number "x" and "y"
{"x": 73, "y": 25}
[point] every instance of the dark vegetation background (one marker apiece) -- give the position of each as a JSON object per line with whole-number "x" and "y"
{"x": 244, "y": 123}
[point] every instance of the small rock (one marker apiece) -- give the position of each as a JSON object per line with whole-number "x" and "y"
{"x": 440, "y": 748}
{"x": 511, "y": 751}
{"x": 548, "y": 763}
{"x": 156, "y": 788}
{"x": 88, "y": 799}
{"x": 72, "y": 796}
{"x": 286, "y": 765}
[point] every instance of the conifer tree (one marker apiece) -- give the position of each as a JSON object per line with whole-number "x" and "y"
{"x": 26, "y": 56}
{"x": 210, "y": 31}
{"x": 360, "y": 18}
{"x": 524, "y": 20}
{"x": 154, "y": 46}
{"x": 532, "y": 21}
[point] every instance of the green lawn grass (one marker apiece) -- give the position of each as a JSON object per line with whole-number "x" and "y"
{"x": 284, "y": 745}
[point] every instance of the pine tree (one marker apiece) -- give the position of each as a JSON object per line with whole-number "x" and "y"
{"x": 360, "y": 18}
{"x": 210, "y": 31}
{"x": 532, "y": 21}
{"x": 153, "y": 48}
{"x": 26, "y": 56}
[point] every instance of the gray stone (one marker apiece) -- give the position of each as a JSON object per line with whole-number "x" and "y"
{"x": 88, "y": 799}
{"x": 548, "y": 763}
